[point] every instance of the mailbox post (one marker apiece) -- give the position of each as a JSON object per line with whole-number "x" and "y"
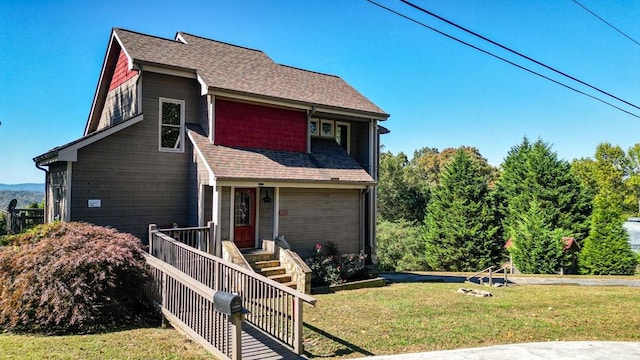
{"x": 231, "y": 305}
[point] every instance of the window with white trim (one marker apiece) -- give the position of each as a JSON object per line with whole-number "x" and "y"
{"x": 171, "y": 125}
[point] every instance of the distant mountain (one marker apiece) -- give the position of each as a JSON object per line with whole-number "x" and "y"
{"x": 23, "y": 187}
{"x": 24, "y": 193}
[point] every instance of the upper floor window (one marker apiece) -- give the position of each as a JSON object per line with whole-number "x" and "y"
{"x": 171, "y": 125}
{"x": 338, "y": 130}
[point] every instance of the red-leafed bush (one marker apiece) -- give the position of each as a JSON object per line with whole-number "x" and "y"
{"x": 71, "y": 278}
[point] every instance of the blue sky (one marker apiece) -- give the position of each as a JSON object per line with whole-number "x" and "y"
{"x": 439, "y": 93}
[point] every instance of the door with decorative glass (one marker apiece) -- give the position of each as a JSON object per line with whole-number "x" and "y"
{"x": 244, "y": 218}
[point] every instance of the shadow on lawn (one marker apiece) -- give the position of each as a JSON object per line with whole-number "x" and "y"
{"x": 407, "y": 277}
{"x": 347, "y": 349}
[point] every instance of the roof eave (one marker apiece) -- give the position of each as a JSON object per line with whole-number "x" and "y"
{"x": 234, "y": 94}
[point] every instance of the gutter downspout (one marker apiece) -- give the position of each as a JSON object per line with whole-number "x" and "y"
{"x": 46, "y": 192}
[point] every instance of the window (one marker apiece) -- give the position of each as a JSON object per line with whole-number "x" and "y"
{"x": 171, "y": 125}
{"x": 338, "y": 130}
{"x": 326, "y": 128}
{"x": 343, "y": 136}
{"x": 313, "y": 127}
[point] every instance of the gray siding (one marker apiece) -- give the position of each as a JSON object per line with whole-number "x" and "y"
{"x": 360, "y": 144}
{"x": 225, "y": 195}
{"x": 208, "y": 204}
{"x": 318, "y": 216}
{"x": 121, "y": 103}
{"x": 266, "y": 214}
{"x": 136, "y": 183}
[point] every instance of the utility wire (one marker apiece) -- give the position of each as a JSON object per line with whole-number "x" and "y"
{"x": 501, "y": 58}
{"x": 516, "y": 52}
{"x": 605, "y": 21}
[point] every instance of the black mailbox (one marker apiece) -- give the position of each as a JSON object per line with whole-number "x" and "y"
{"x": 227, "y": 303}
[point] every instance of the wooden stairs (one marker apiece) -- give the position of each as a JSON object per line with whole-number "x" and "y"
{"x": 264, "y": 263}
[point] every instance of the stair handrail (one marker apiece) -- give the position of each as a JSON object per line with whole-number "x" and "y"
{"x": 480, "y": 272}
{"x": 490, "y": 274}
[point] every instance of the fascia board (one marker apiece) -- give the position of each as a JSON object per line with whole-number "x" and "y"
{"x": 70, "y": 153}
{"x": 212, "y": 178}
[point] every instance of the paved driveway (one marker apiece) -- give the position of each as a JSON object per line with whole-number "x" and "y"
{"x": 518, "y": 280}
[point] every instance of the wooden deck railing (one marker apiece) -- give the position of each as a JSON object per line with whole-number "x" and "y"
{"x": 489, "y": 274}
{"x": 273, "y": 308}
{"x": 21, "y": 218}
{"x": 188, "y": 305}
{"x": 201, "y": 238}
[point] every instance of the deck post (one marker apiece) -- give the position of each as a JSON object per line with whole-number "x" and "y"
{"x": 236, "y": 336}
{"x": 164, "y": 300}
{"x": 298, "y": 346}
{"x": 490, "y": 276}
{"x": 214, "y": 245}
{"x": 152, "y": 229}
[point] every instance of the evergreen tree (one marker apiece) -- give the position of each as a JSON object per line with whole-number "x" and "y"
{"x": 461, "y": 232}
{"x": 607, "y": 250}
{"x": 537, "y": 249}
{"x": 533, "y": 172}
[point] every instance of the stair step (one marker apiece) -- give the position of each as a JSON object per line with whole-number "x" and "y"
{"x": 266, "y": 264}
{"x": 291, "y": 284}
{"x": 283, "y": 278}
{"x": 252, "y": 258}
{"x": 270, "y": 271}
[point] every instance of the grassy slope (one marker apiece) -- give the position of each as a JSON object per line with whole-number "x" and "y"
{"x": 405, "y": 318}
{"x": 400, "y": 318}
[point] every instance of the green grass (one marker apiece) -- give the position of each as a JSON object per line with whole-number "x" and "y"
{"x": 150, "y": 343}
{"x": 404, "y": 318}
{"x": 400, "y": 318}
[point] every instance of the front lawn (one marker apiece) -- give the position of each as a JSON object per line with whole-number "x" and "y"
{"x": 416, "y": 317}
{"x": 149, "y": 343}
{"x": 400, "y": 318}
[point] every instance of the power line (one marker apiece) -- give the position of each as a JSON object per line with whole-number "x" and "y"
{"x": 605, "y": 21}
{"x": 517, "y": 53}
{"x": 501, "y": 58}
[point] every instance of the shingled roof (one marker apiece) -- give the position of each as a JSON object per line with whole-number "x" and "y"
{"x": 223, "y": 66}
{"x": 327, "y": 162}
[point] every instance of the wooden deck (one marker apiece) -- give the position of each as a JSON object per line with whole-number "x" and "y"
{"x": 256, "y": 345}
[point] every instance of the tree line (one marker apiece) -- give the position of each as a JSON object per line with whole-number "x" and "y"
{"x": 451, "y": 210}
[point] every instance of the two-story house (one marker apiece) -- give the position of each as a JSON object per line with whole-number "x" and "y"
{"x": 192, "y": 130}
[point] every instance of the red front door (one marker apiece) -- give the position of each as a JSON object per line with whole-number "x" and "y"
{"x": 244, "y": 218}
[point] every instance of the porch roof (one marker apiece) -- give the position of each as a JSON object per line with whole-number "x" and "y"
{"x": 327, "y": 162}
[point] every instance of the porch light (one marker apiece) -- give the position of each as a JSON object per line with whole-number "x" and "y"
{"x": 266, "y": 199}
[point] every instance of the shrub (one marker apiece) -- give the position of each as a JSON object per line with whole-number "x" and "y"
{"x": 70, "y": 278}
{"x": 329, "y": 267}
{"x": 400, "y": 246}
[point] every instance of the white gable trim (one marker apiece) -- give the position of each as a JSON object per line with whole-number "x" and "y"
{"x": 70, "y": 153}
{"x": 126, "y": 53}
{"x": 212, "y": 178}
{"x": 204, "y": 89}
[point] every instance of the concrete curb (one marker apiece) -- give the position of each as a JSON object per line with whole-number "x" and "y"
{"x": 557, "y": 350}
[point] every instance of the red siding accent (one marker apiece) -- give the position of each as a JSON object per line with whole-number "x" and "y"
{"x": 260, "y": 127}
{"x": 122, "y": 72}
